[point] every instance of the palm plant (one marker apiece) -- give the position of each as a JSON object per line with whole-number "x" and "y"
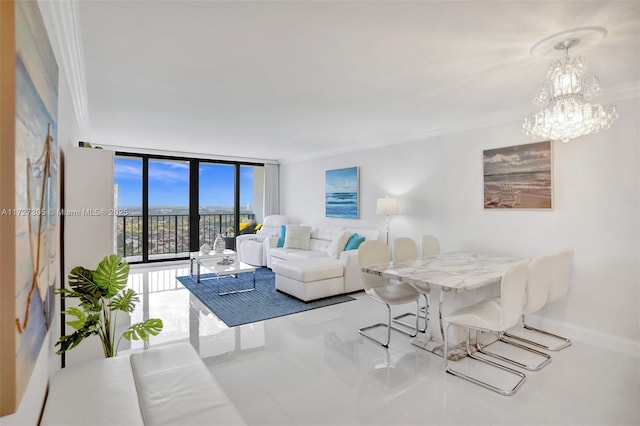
{"x": 101, "y": 295}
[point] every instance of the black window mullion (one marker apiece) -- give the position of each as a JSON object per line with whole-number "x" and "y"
{"x": 236, "y": 201}
{"x": 145, "y": 209}
{"x": 194, "y": 205}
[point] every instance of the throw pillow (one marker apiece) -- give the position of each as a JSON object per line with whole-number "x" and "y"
{"x": 354, "y": 242}
{"x": 283, "y": 232}
{"x": 338, "y": 244}
{"x": 297, "y": 237}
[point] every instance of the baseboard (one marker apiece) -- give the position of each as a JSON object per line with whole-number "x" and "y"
{"x": 592, "y": 337}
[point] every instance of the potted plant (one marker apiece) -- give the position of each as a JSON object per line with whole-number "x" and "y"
{"x": 101, "y": 295}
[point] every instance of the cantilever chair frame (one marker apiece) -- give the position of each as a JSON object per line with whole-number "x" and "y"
{"x": 546, "y": 358}
{"x": 565, "y": 341}
{"x": 539, "y": 273}
{"x": 375, "y": 249}
{"x": 512, "y": 293}
{"x": 470, "y": 354}
{"x": 423, "y": 312}
{"x": 389, "y": 326}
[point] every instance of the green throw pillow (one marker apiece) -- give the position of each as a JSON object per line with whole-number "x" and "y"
{"x": 354, "y": 242}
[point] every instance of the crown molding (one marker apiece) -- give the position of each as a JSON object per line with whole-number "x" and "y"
{"x": 61, "y": 18}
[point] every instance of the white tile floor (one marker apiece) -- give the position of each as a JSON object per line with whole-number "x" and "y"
{"x": 314, "y": 368}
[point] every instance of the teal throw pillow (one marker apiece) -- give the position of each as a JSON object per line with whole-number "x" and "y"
{"x": 354, "y": 242}
{"x": 283, "y": 231}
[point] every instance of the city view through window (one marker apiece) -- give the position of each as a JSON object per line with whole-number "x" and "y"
{"x": 168, "y": 192}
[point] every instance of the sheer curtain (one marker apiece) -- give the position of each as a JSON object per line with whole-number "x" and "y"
{"x": 271, "y": 189}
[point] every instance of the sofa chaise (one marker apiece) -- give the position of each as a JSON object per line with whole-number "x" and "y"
{"x": 318, "y": 263}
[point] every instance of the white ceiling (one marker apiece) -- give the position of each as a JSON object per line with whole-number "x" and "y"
{"x": 290, "y": 80}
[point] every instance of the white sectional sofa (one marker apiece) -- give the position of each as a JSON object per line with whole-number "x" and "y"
{"x": 251, "y": 248}
{"x": 168, "y": 385}
{"x": 324, "y": 269}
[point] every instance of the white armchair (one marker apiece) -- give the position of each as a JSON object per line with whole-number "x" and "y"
{"x": 251, "y": 248}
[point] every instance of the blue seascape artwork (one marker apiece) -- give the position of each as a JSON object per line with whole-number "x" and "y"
{"x": 341, "y": 193}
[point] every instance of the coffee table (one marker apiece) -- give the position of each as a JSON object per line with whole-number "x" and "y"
{"x": 197, "y": 256}
{"x": 221, "y": 265}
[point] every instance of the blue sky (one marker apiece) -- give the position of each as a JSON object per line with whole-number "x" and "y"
{"x": 169, "y": 183}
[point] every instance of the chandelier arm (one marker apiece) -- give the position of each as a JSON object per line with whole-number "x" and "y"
{"x": 545, "y": 94}
{"x": 590, "y": 85}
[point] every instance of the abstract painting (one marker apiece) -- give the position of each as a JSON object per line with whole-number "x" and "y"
{"x": 518, "y": 177}
{"x": 36, "y": 188}
{"x": 341, "y": 193}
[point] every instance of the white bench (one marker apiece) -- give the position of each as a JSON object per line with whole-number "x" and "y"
{"x": 168, "y": 385}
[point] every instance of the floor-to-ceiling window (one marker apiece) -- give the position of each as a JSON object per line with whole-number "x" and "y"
{"x": 171, "y": 206}
{"x": 168, "y": 209}
{"x": 128, "y": 189}
{"x": 217, "y": 203}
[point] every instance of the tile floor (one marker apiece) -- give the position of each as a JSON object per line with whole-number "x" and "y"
{"x": 313, "y": 368}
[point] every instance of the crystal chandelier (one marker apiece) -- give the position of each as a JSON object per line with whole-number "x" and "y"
{"x": 566, "y": 92}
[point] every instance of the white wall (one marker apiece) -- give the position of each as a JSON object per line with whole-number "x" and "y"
{"x": 596, "y": 212}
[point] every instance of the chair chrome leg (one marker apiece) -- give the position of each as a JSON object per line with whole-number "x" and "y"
{"x": 546, "y": 358}
{"x": 389, "y": 327}
{"x": 398, "y": 319}
{"x": 501, "y": 391}
{"x": 566, "y": 342}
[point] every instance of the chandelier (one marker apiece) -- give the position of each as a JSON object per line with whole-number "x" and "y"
{"x": 566, "y": 93}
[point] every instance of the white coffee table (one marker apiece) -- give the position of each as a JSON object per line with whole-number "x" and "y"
{"x": 197, "y": 256}
{"x": 222, "y": 264}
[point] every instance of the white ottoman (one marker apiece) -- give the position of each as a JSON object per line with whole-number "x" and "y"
{"x": 309, "y": 279}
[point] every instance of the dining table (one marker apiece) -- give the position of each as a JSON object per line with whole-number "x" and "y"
{"x": 455, "y": 272}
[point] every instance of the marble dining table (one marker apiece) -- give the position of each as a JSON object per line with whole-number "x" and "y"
{"x": 445, "y": 273}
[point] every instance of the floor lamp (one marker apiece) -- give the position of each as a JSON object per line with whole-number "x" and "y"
{"x": 387, "y": 206}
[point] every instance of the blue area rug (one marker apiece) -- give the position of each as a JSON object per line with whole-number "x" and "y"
{"x": 261, "y": 304}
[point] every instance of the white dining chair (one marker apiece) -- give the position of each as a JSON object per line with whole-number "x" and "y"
{"x": 376, "y": 252}
{"x": 430, "y": 245}
{"x": 405, "y": 250}
{"x": 546, "y": 287}
{"x": 489, "y": 316}
{"x": 538, "y": 281}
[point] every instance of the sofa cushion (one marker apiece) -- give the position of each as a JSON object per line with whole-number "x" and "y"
{"x": 338, "y": 244}
{"x": 297, "y": 237}
{"x": 305, "y": 254}
{"x": 86, "y": 386}
{"x": 167, "y": 385}
{"x": 309, "y": 270}
{"x": 176, "y": 388}
{"x": 326, "y": 232}
{"x": 286, "y": 254}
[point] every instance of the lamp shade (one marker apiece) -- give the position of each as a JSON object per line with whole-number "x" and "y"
{"x": 387, "y": 205}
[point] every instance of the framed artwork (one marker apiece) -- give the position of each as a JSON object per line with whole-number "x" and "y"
{"x": 30, "y": 214}
{"x": 341, "y": 193}
{"x": 518, "y": 177}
